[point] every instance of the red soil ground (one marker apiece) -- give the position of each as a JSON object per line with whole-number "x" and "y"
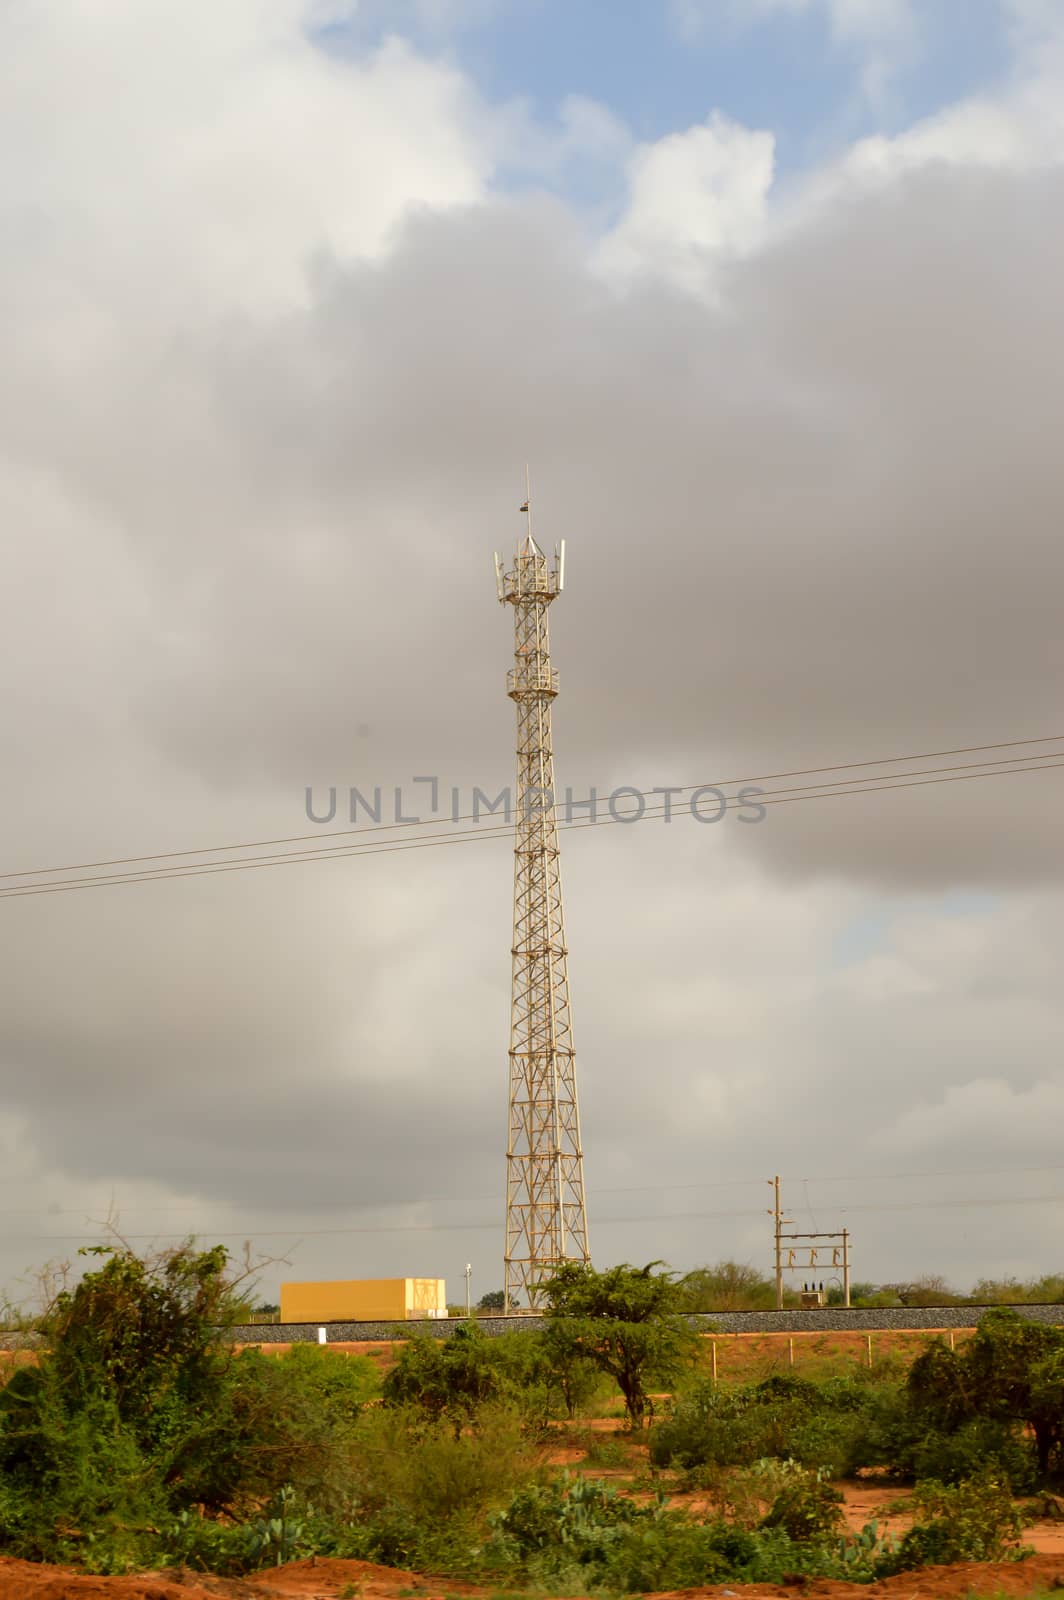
{"x": 327, "y": 1580}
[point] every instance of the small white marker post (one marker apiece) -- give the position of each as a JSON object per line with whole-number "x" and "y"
{"x": 323, "y": 1337}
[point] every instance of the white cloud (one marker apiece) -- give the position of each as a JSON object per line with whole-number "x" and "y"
{"x": 216, "y": 160}
{"x": 1017, "y": 129}
{"x": 965, "y": 1113}
{"x": 693, "y": 196}
{"x": 1034, "y": 23}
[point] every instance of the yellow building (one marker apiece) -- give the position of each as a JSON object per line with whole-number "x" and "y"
{"x": 364, "y": 1300}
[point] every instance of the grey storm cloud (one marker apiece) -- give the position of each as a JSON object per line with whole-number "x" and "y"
{"x": 817, "y": 524}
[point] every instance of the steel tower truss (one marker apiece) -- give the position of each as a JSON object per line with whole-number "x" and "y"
{"x": 546, "y": 1215}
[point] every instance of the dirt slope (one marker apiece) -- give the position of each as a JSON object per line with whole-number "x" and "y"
{"x": 325, "y": 1580}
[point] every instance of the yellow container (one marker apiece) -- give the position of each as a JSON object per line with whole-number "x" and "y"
{"x": 364, "y": 1300}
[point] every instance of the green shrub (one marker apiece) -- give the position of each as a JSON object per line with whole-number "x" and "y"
{"x": 342, "y": 1383}
{"x": 448, "y": 1378}
{"x": 579, "y": 1535}
{"x": 545, "y": 1375}
{"x": 972, "y": 1521}
{"x": 807, "y": 1507}
{"x": 401, "y": 1462}
{"x": 577, "y": 1516}
{"x": 605, "y": 1451}
{"x": 203, "y": 1545}
{"x": 818, "y": 1425}
{"x": 955, "y": 1457}
{"x": 1011, "y": 1374}
{"x": 138, "y": 1411}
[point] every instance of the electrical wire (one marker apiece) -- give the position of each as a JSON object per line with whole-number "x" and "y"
{"x": 378, "y": 828}
{"x": 593, "y": 1192}
{"x": 980, "y": 1203}
{"x": 422, "y": 842}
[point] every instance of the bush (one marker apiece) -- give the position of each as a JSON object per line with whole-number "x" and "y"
{"x": 448, "y": 1378}
{"x": 971, "y": 1521}
{"x": 582, "y": 1536}
{"x": 545, "y": 1375}
{"x": 818, "y": 1425}
{"x": 807, "y": 1507}
{"x": 427, "y": 1470}
{"x": 341, "y": 1383}
{"x": 138, "y": 1412}
{"x": 953, "y": 1458}
{"x": 1010, "y": 1374}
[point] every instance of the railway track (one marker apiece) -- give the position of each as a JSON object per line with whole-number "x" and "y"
{"x": 826, "y": 1319}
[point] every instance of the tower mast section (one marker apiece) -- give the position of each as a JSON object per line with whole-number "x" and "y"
{"x": 546, "y": 1212}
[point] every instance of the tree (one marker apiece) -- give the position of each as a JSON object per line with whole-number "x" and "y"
{"x": 1011, "y": 1372}
{"x": 569, "y": 1370}
{"x": 870, "y": 1294}
{"x": 138, "y": 1410}
{"x": 625, "y": 1322}
{"x": 146, "y": 1328}
{"x": 998, "y": 1291}
{"x": 450, "y": 1377}
{"x": 494, "y": 1300}
{"x": 728, "y": 1286}
{"x": 930, "y": 1290}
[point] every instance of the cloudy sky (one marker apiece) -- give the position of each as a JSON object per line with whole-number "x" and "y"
{"x": 768, "y": 292}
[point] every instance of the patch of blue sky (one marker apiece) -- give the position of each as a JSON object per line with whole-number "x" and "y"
{"x": 782, "y": 72}
{"x": 964, "y": 49}
{"x": 869, "y": 932}
{"x": 967, "y": 903}
{"x": 863, "y": 936}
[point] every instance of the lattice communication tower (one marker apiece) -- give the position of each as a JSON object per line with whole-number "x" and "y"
{"x": 546, "y": 1214}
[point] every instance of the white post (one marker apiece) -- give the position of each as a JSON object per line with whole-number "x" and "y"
{"x": 323, "y": 1336}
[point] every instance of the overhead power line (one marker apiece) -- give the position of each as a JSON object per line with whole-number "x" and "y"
{"x": 975, "y": 1203}
{"x": 423, "y": 842}
{"x": 389, "y": 827}
{"x": 596, "y": 1190}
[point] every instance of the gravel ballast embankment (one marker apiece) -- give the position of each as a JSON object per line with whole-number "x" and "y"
{"x": 833, "y": 1319}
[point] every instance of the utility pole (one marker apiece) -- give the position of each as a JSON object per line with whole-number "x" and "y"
{"x": 546, "y": 1214}
{"x": 468, "y": 1275}
{"x": 777, "y": 1218}
{"x": 845, "y": 1266}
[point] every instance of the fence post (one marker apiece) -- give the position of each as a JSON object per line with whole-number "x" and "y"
{"x": 869, "y": 1349}
{"x": 713, "y": 1347}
